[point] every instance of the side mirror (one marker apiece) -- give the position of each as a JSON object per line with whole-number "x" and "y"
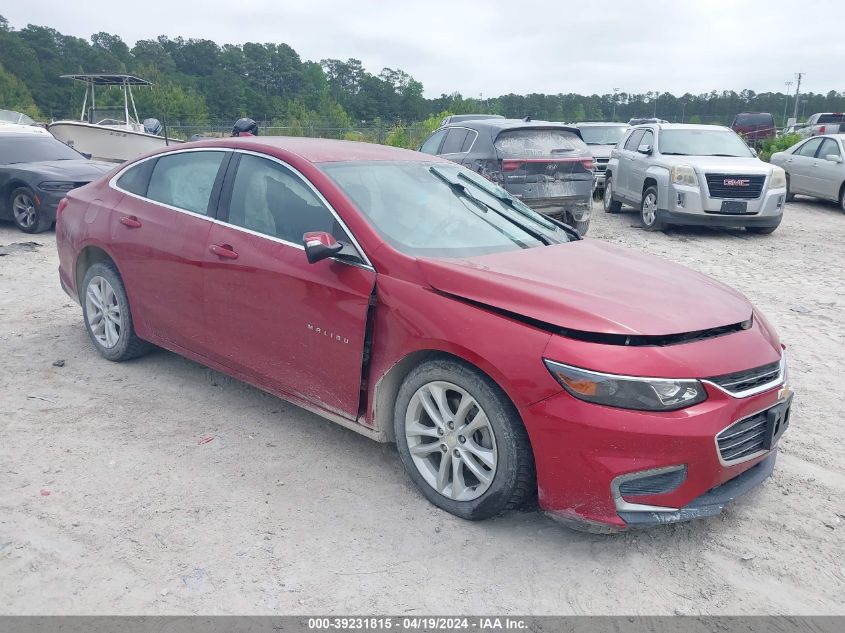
{"x": 833, "y": 158}
{"x": 320, "y": 245}
{"x": 644, "y": 149}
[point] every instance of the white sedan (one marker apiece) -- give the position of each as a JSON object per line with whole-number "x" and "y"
{"x": 815, "y": 167}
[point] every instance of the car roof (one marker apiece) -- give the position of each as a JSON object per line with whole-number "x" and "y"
{"x": 317, "y": 150}
{"x": 601, "y": 123}
{"x": 504, "y": 124}
{"x": 683, "y": 126}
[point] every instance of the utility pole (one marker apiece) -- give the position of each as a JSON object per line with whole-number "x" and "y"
{"x": 797, "y": 94}
{"x": 615, "y": 92}
{"x": 786, "y": 101}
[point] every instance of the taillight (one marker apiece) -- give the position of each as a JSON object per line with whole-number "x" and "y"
{"x": 61, "y": 207}
{"x": 822, "y": 129}
{"x": 512, "y": 165}
{"x": 589, "y": 164}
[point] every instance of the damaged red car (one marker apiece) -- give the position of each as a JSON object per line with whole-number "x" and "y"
{"x": 411, "y": 300}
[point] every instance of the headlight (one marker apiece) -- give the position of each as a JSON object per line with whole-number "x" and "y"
{"x": 684, "y": 175}
{"x": 625, "y": 392}
{"x": 56, "y": 185}
{"x": 778, "y": 180}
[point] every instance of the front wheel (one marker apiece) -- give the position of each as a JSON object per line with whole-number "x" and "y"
{"x": 648, "y": 210}
{"x": 610, "y": 205}
{"x": 462, "y": 441}
{"x": 25, "y": 212}
{"x": 842, "y": 197}
{"x": 789, "y": 195}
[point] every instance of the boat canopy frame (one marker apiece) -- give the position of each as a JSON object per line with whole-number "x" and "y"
{"x": 110, "y": 80}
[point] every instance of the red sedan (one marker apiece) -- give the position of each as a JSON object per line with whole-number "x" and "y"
{"x": 409, "y": 299}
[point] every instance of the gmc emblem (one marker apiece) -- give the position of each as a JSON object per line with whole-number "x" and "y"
{"x": 736, "y": 182}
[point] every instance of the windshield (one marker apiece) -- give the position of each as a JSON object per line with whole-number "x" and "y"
{"x": 34, "y": 148}
{"x": 440, "y": 209}
{"x": 10, "y": 116}
{"x": 603, "y": 134}
{"x": 702, "y": 143}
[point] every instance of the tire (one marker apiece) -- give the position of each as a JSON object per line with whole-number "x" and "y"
{"x": 116, "y": 340}
{"x": 25, "y": 213}
{"x": 610, "y": 205}
{"x": 762, "y": 230}
{"x": 580, "y": 226}
{"x": 789, "y": 195}
{"x": 842, "y": 198}
{"x": 648, "y": 210}
{"x": 502, "y": 440}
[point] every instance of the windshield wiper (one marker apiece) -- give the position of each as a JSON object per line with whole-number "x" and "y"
{"x": 570, "y": 231}
{"x": 674, "y": 153}
{"x": 460, "y": 190}
{"x": 728, "y": 155}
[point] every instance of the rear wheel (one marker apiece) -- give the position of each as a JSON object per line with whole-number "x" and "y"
{"x": 108, "y": 320}
{"x": 648, "y": 210}
{"x": 610, "y": 205}
{"x": 462, "y": 442}
{"x": 25, "y": 212}
{"x": 579, "y": 225}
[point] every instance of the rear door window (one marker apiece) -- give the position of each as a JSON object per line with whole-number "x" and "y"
{"x": 433, "y": 143}
{"x": 136, "y": 178}
{"x": 469, "y": 140}
{"x": 185, "y": 180}
{"x": 538, "y": 143}
{"x": 454, "y": 141}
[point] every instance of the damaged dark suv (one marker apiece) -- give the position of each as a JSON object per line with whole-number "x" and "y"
{"x": 546, "y": 165}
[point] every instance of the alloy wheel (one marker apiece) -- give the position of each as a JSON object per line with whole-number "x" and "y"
{"x": 102, "y": 311}
{"x": 23, "y": 208}
{"x": 649, "y": 209}
{"x": 451, "y": 441}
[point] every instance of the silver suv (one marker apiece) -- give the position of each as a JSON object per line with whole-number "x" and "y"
{"x": 693, "y": 175}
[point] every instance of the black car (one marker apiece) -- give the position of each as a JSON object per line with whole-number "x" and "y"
{"x": 36, "y": 171}
{"x": 546, "y": 165}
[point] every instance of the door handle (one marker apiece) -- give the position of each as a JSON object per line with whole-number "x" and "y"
{"x": 223, "y": 250}
{"x": 131, "y": 221}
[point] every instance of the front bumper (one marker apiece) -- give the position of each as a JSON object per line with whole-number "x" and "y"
{"x": 692, "y": 205}
{"x": 48, "y": 202}
{"x": 581, "y": 449}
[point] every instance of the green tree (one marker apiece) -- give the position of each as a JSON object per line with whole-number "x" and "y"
{"x": 14, "y": 95}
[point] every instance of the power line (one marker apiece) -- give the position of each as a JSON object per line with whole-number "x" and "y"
{"x": 797, "y": 94}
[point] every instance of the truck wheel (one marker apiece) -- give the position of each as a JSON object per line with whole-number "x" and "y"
{"x": 610, "y": 205}
{"x": 648, "y": 210}
{"x": 789, "y": 195}
{"x": 580, "y": 226}
{"x": 462, "y": 442}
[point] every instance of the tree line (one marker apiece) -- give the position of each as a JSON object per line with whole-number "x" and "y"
{"x": 199, "y": 82}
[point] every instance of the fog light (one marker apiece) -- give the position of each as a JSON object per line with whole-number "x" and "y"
{"x": 681, "y": 200}
{"x": 781, "y": 200}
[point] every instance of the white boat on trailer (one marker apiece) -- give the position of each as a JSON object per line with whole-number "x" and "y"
{"x": 110, "y": 133}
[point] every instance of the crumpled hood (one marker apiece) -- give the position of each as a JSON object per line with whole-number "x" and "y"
{"x": 592, "y": 286}
{"x": 67, "y": 170}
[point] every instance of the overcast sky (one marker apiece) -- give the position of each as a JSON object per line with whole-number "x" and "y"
{"x": 496, "y": 48}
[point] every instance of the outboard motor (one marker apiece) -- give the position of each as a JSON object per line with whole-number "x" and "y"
{"x": 152, "y": 126}
{"x": 245, "y": 127}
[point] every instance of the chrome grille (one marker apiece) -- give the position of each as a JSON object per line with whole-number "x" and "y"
{"x": 735, "y": 186}
{"x": 743, "y": 439}
{"x": 749, "y": 380}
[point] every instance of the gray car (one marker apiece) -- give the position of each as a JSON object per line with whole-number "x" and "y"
{"x": 694, "y": 175}
{"x": 815, "y": 167}
{"x": 36, "y": 171}
{"x": 601, "y": 138}
{"x": 546, "y": 165}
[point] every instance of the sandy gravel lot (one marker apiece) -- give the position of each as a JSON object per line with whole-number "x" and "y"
{"x": 111, "y": 503}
